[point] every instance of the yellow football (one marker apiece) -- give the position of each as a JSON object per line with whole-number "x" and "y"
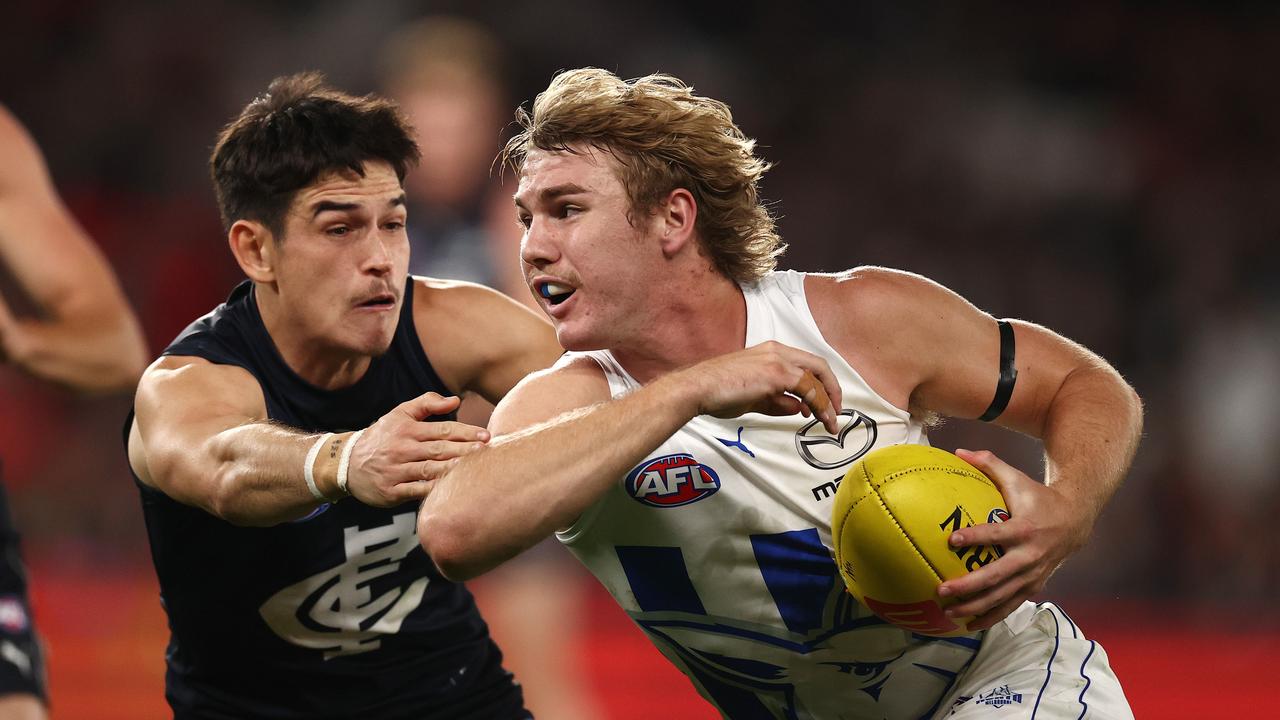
{"x": 892, "y": 516}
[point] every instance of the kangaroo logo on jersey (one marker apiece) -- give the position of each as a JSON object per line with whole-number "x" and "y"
{"x": 817, "y": 654}
{"x": 335, "y": 610}
{"x": 825, "y": 452}
{"x": 671, "y": 481}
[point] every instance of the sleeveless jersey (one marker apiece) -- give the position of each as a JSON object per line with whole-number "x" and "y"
{"x": 717, "y": 545}
{"x": 339, "y": 614}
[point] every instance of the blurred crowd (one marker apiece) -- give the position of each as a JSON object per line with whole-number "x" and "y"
{"x": 1104, "y": 169}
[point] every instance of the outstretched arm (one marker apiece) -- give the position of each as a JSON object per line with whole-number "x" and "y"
{"x": 930, "y": 350}
{"x": 561, "y": 443}
{"x": 86, "y": 338}
{"x": 201, "y": 436}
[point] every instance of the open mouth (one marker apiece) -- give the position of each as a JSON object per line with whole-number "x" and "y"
{"x": 554, "y": 292}
{"x": 379, "y": 302}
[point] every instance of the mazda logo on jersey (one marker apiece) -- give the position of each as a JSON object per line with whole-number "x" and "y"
{"x": 826, "y": 452}
{"x": 671, "y": 481}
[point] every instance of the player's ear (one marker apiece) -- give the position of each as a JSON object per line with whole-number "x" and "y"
{"x": 677, "y": 215}
{"x": 254, "y": 249}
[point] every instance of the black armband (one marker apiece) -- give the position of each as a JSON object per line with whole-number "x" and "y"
{"x": 1008, "y": 373}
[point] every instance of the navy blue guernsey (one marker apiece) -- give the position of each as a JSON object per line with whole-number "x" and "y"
{"x": 338, "y": 615}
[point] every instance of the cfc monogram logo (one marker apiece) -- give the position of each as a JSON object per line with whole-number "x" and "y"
{"x": 335, "y": 611}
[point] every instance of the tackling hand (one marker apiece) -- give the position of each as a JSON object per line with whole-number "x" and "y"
{"x": 398, "y": 457}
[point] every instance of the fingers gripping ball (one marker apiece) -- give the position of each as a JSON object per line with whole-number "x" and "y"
{"x": 890, "y": 522}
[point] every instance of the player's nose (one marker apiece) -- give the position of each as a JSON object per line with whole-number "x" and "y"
{"x": 538, "y": 247}
{"x": 379, "y": 259}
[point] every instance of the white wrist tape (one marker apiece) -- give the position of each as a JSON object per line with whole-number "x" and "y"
{"x": 344, "y": 462}
{"x": 308, "y": 466}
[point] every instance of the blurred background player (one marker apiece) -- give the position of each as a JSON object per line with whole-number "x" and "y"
{"x": 283, "y": 441}
{"x": 63, "y": 319}
{"x": 449, "y": 76}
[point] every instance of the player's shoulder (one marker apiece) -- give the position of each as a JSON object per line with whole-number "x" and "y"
{"x": 575, "y": 381}
{"x": 870, "y": 284}
{"x": 869, "y": 294}
{"x": 439, "y": 300}
{"x": 445, "y": 289}
{"x": 467, "y": 322}
{"x": 173, "y": 372}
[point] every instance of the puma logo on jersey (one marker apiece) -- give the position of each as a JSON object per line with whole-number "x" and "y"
{"x": 824, "y": 451}
{"x": 736, "y": 443}
{"x": 671, "y": 481}
{"x": 336, "y": 611}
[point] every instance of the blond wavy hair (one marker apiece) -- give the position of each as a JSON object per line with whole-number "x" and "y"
{"x": 664, "y": 137}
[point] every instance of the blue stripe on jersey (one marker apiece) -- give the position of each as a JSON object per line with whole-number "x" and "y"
{"x": 965, "y": 642}
{"x": 659, "y": 579}
{"x": 1075, "y": 631}
{"x": 948, "y": 675}
{"x": 799, "y": 573}
{"x": 1087, "y": 680}
{"x": 733, "y": 702}
{"x": 1048, "y": 669}
{"x": 653, "y": 627}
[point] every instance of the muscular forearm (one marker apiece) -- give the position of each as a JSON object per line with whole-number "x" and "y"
{"x": 97, "y": 356}
{"x": 1090, "y": 435}
{"x": 259, "y": 474}
{"x": 496, "y": 503}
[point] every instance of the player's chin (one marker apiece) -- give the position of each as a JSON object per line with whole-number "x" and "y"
{"x": 577, "y": 342}
{"x": 576, "y": 339}
{"x": 374, "y": 343}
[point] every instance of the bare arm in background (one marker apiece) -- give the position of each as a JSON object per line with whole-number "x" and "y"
{"x": 87, "y": 338}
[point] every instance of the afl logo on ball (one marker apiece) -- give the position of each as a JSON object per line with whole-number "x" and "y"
{"x": 998, "y": 515}
{"x": 671, "y": 481}
{"x": 826, "y": 452}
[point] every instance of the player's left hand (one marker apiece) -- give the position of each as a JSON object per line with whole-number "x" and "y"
{"x": 1044, "y": 527}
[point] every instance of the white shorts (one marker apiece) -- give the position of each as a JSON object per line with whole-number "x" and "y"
{"x": 1036, "y": 663}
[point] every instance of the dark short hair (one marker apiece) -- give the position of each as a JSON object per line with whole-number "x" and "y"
{"x": 297, "y": 130}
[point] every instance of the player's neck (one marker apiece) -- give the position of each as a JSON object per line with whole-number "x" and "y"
{"x": 310, "y": 358}
{"x": 708, "y": 320}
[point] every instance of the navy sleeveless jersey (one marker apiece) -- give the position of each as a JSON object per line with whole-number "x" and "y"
{"x": 338, "y": 615}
